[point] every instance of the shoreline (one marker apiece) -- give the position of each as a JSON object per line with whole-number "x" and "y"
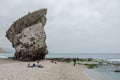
{"x": 62, "y": 70}
{"x": 16, "y": 70}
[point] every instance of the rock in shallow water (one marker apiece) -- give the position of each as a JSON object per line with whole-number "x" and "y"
{"x": 28, "y": 36}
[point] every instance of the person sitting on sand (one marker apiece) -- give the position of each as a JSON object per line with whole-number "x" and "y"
{"x": 52, "y": 61}
{"x": 55, "y": 62}
{"x": 33, "y": 65}
{"x": 39, "y": 65}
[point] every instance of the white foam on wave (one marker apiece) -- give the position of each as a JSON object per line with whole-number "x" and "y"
{"x": 116, "y": 60}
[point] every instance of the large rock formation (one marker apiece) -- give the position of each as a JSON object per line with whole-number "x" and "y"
{"x": 28, "y": 36}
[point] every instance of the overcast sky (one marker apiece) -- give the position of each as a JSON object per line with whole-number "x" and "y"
{"x": 73, "y": 26}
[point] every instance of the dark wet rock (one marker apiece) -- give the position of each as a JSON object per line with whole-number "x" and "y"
{"x": 28, "y": 36}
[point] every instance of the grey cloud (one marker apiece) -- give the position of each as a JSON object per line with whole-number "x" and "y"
{"x": 79, "y": 26}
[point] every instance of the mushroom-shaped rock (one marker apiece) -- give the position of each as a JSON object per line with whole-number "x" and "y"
{"x": 28, "y": 36}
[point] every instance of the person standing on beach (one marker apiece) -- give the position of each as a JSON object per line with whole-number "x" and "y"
{"x": 74, "y": 61}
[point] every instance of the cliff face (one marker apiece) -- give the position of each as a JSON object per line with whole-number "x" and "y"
{"x": 28, "y": 36}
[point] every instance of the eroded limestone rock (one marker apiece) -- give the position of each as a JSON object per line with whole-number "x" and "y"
{"x": 28, "y": 36}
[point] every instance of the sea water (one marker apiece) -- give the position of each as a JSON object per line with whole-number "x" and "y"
{"x": 83, "y": 55}
{"x": 96, "y": 73}
{"x": 71, "y": 55}
{"x": 6, "y": 55}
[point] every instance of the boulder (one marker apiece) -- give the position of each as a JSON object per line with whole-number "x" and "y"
{"x": 28, "y": 37}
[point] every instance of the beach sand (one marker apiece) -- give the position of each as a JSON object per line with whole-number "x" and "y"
{"x": 15, "y": 70}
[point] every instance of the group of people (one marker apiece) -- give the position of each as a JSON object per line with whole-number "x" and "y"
{"x": 37, "y": 64}
{"x": 74, "y": 61}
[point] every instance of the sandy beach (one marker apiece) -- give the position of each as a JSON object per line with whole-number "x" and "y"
{"x": 14, "y": 70}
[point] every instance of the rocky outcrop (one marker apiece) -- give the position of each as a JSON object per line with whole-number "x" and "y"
{"x": 28, "y": 36}
{"x": 2, "y": 50}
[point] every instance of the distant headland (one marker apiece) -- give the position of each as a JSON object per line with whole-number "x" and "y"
{"x": 2, "y": 50}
